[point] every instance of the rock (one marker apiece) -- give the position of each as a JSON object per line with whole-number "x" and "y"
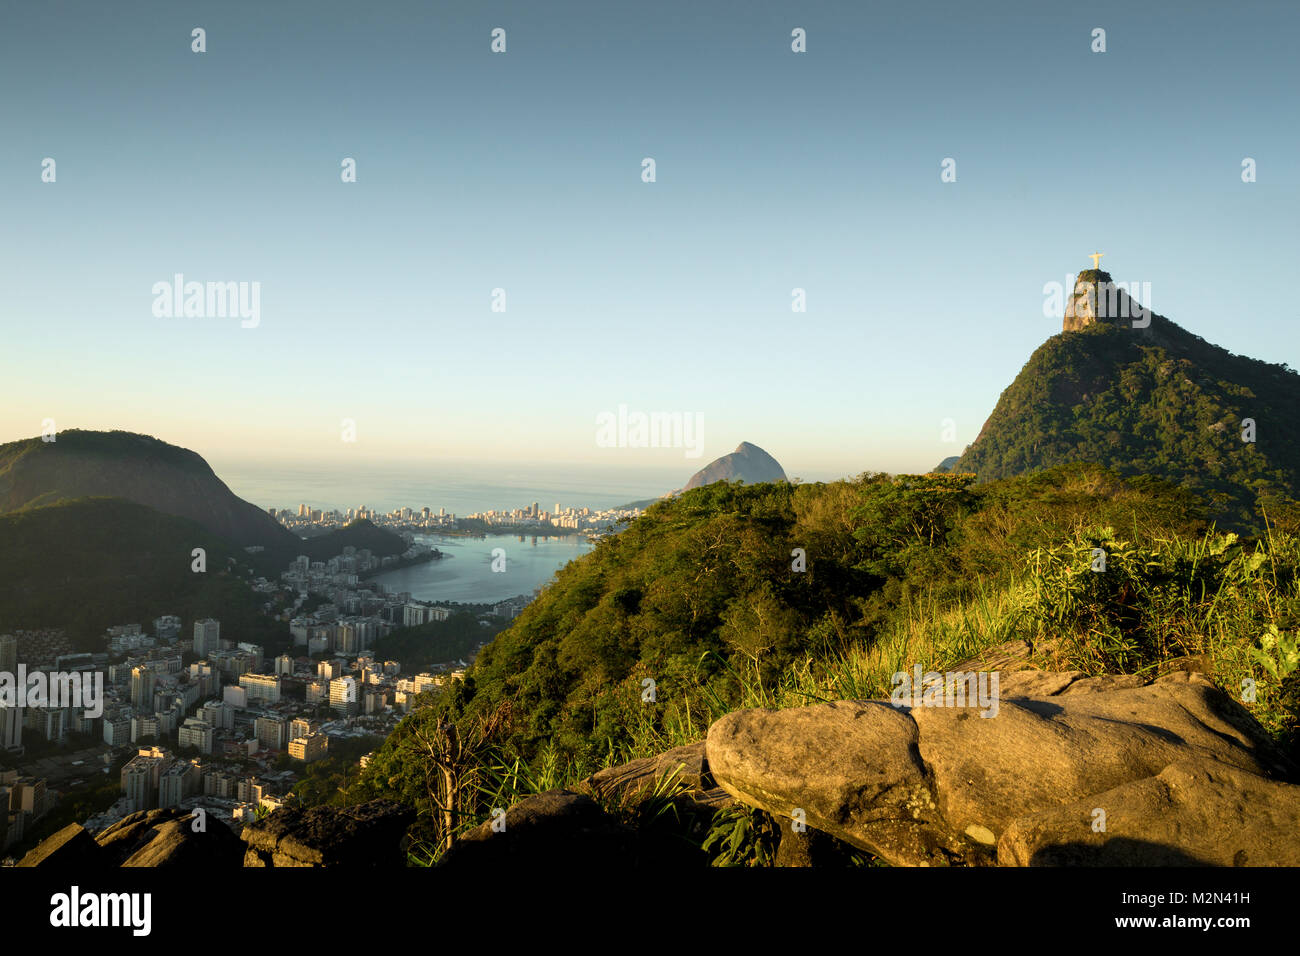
{"x": 129, "y": 834}
{"x": 933, "y": 785}
{"x": 748, "y": 463}
{"x": 1035, "y": 683}
{"x": 147, "y": 838}
{"x": 1007, "y": 656}
{"x": 1193, "y": 813}
{"x": 72, "y": 848}
{"x": 852, "y": 767}
{"x": 1104, "y": 682}
{"x": 167, "y": 838}
{"x": 1040, "y": 753}
{"x": 558, "y": 828}
{"x": 366, "y": 835}
{"x": 688, "y": 763}
{"x": 174, "y": 843}
{"x": 1095, "y": 299}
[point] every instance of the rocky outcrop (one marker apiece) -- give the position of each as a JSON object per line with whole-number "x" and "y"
{"x": 367, "y": 835}
{"x": 169, "y": 838}
{"x": 748, "y": 463}
{"x": 1195, "y": 812}
{"x": 71, "y": 849}
{"x": 934, "y": 785}
{"x": 149, "y": 838}
{"x": 687, "y": 765}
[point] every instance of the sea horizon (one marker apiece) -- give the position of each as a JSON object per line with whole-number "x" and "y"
{"x": 462, "y": 487}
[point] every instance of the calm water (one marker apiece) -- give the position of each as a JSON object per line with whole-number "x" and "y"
{"x": 465, "y": 573}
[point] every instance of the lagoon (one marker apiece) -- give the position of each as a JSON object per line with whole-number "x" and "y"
{"x": 465, "y": 572}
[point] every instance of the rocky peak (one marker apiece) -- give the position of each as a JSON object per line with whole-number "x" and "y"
{"x": 748, "y": 463}
{"x": 1096, "y": 298}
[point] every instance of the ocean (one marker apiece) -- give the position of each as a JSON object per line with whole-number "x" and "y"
{"x": 460, "y": 487}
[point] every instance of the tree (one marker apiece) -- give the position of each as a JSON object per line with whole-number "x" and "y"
{"x": 451, "y": 751}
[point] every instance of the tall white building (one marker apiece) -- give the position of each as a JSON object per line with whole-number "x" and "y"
{"x": 176, "y": 783}
{"x": 117, "y": 731}
{"x": 343, "y": 695}
{"x": 196, "y": 733}
{"x": 264, "y": 687}
{"x": 218, "y": 714}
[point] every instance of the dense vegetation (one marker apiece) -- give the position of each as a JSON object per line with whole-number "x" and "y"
{"x": 325, "y": 780}
{"x": 701, "y": 596}
{"x": 1159, "y": 401}
{"x": 438, "y": 642}
{"x": 86, "y": 564}
{"x": 360, "y": 534}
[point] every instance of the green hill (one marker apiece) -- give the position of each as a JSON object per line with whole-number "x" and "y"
{"x": 360, "y": 534}
{"x": 1155, "y": 400}
{"x": 701, "y": 596}
{"x": 90, "y": 563}
{"x": 117, "y": 464}
{"x": 695, "y": 610}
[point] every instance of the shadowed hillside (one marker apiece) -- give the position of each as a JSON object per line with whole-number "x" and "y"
{"x": 90, "y": 563}
{"x": 176, "y": 481}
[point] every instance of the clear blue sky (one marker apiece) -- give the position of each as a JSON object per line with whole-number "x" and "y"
{"x": 523, "y": 171}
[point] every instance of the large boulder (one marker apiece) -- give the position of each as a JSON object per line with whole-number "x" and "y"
{"x": 1046, "y": 751}
{"x": 170, "y": 837}
{"x": 930, "y": 785}
{"x": 852, "y": 767}
{"x": 71, "y": 849}
{"x": 1195, "y": 812}
{"x": 367, "y": 835}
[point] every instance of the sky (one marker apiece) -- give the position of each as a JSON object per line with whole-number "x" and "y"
{"x": 523, "y": 171}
